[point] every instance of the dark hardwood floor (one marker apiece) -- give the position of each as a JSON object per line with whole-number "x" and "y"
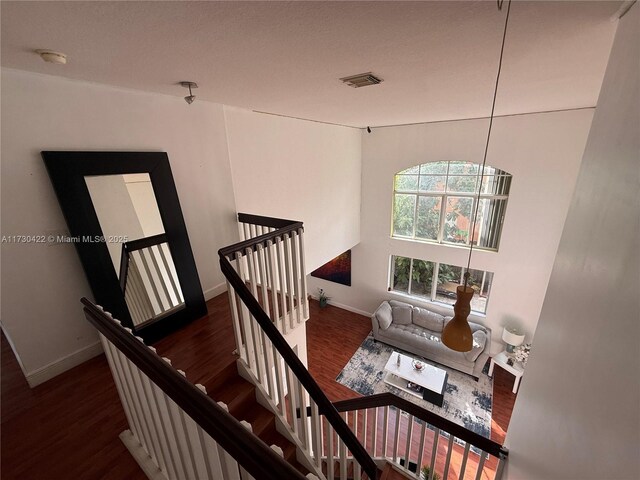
{"x": 68, "y": 427}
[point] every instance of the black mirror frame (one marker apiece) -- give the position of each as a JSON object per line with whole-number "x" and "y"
{"x": 67, "y": 171}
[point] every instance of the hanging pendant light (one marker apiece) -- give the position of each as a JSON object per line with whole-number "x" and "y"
{"x": 457, "y": 333}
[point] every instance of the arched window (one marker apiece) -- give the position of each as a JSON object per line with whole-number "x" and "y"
{"x": 435, "y": 202}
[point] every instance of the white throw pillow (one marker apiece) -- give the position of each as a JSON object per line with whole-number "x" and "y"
{"x": 479, "y": 341}
{"x": 384, "y": 315}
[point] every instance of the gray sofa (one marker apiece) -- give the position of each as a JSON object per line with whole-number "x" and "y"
{"x": 418, "y": 330}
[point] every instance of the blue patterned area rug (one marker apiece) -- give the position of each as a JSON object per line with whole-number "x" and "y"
{"x": 466, "y": 402}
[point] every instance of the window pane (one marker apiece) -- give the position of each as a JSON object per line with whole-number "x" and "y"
{"x": 489, "y": 224}
{"x": 401, "y": 268}
{"x": 457, "y": 220}
{"x": 428, "y": 220}
{"x": 422, "y": 278}
{"x": 466, "y": 168}
{"x": 403, "y": 212}
{"x": 404, "y": 183}
{"x": 409, "y": 171}
{"x": 462, "y": 183}
{"x": 434, "y": 167}
{"x": 449, "y": 277}
{"x": 480, "y": 281}
{"x": 496, "y": 184}
{"x": 433, "y": 183}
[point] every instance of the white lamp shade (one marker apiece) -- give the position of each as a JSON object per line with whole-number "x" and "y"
{"x": 512, "y": 337}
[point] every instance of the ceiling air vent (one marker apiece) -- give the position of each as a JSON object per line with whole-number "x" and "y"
{"x": 361, "y": 80}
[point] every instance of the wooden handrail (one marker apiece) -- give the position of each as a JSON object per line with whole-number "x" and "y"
{"x": 253, "y": 243}
{"x": 264, "y": 221}
{"x": 325, "y": 407}
{"x": 249, "y": 451}
{"x": 391, "y": 400}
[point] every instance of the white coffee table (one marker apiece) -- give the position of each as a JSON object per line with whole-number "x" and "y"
{"x": 432, "y": 379}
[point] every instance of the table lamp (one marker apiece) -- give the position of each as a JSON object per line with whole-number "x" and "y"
{"x": 512, "y": 338}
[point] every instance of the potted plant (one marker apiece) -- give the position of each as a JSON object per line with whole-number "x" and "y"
{"x": 322, "y": 298}
{"x": 426, "y": 471}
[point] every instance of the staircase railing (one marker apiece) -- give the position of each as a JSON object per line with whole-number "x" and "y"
{"x": 267, "y": 292}
{"x": 393, "y": 428}
{"x": 148, "y": 279}
{"x": 175, "y": 430}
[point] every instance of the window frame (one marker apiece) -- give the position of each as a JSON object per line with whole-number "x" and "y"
{"x": 444, "y": 196}
{"x": 434, "y": 283}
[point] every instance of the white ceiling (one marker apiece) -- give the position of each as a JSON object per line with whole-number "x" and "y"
{"x": 438, "y": 59}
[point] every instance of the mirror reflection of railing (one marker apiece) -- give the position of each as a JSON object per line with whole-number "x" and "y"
{"x": 148, "y": 279}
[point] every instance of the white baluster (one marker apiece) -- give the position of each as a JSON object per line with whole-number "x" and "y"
{"x": 465, "y": 457}
{"x": 272, "y": 261}
{"x": 282, "y": 281}
{"x": 448, "y": 460}
{"x": 330, "y": 451}
{"x": 423, "y": 434}
{"x": 292, "y": 383}
{"x": 244, "y": 475}
{"x": 288, "y": 261}
{"x": 396, "y": 435}
{"x": 316, "y": 434}
{"x": 305, "y": 296}
{"x": 432, "y": 465}
{"x": 298, "y": 277}
{"x": 385, "y": 431}
{"x": 172, "y": 422}
{"x": 235, "y": 321}
{"x": 357, "y": 471}
{"x": 256, "y": 330}
{"x": 408, "y": 443}
{"x": 245, "y": 322}
{"x": 483, "y": 457}
{"x": 374, "y": 442}
{"x": 280, "y": 380}
{"x": 230, "y": 468}
{"x": 342, "y": 452}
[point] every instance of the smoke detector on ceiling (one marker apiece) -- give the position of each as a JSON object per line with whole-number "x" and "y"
{"x": 50, "y": 56}
{"x": 361, "y": 80}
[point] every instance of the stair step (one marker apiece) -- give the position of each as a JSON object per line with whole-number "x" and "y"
{"x": 236, "y": 393}
{"x": 221, "y": 377}
{"x": 240, "y": 397}
{"x": 390, "y": 473}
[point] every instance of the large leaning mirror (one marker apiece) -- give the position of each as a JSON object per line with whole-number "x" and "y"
{"x": 133, "y": 244}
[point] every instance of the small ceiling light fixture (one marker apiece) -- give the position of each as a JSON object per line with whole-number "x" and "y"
{"x": 50, "y": 56}
{"x": 457, "y": 333}
{"x": 191, "y": 97}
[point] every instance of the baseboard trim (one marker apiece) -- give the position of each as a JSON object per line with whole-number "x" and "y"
{"x": 63, "y": 364}
{"x": 346, "y": 307}
{"x": 215, "y": 291}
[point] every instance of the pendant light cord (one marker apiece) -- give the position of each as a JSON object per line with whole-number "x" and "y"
{"x": 486, "y": 147}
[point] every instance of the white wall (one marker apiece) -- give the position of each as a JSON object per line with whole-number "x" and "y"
{"x": 298, "y": 170}
{"x": 42, "y": 285}
{"x": 577, "y": 415}
{"x": 541, "y": 151}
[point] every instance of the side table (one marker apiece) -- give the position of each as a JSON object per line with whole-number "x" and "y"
{"x": 516, "y": 369}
